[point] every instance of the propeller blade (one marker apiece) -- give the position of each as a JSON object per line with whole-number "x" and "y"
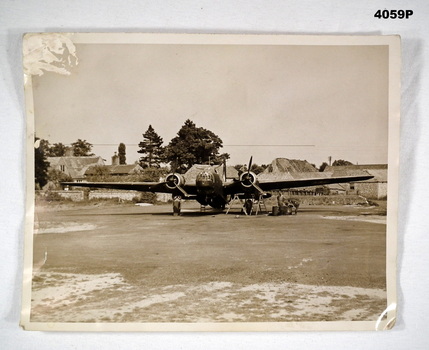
{"x": 224, "y": 169}
{"x": 250, "y": 165}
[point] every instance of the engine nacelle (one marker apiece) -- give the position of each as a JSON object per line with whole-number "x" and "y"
{"x": 173, "y": 181}
{"x": 247, "y": 179}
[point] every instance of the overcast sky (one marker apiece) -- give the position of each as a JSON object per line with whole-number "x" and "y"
{"x": 297, "y": 102}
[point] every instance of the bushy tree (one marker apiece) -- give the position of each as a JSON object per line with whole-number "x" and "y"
{"x": 41, "y": 165}
{"x": 44, "y": 146}
{"x": 152, "y": 174}
{"x": 122, "y": 154}
{"x": 194, "y": 145}
{"x": 98, "y": 173}
{"x": 323, "y": 166}
{"x": 341, "y": 162}
{"x": 151, "y": 148}
{"x": 57, "y": 150}
{"x": 257, "y": 169}
{"x": 82, "y": 148}
{"x": 55, "y": 177}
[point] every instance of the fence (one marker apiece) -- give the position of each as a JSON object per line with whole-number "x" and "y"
{"x": 78, "y": 196}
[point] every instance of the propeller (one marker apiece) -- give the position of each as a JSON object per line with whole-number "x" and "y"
{"x": 224, "y": 169}
{"x": 250, "y": 165}
{"x": 247, "y": 179}
{"x": 172, "y": 180}
{"x": 175, "y": 180}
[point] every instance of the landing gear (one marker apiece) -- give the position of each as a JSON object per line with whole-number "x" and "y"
{"x": 216, "y": 202}
{"x": 177, "y": 205}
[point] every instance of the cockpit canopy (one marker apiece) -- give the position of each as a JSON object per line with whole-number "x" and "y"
{"x": 205, "y": 177}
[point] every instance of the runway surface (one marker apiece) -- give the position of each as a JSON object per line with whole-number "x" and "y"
{"x": 127, "y": 263}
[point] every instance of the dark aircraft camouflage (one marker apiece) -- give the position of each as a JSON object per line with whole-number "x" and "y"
{"x": 212, "y": 187}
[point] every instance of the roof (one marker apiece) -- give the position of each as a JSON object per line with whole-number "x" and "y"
{"x": 124, "y": 169}
{"x": 379, "y": 171}
{"x": 75, "y": 166}
{"x": 357, "y": 167}
{"x": 292, "y": 176}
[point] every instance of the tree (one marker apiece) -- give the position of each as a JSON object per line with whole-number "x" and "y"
{"x": 323, "y": 166}
{"x": 150, "y": 147}
{"x": 194, "y": 145}
{"x": 98, "y": 172}
{"x": 55, "y": 177}
{"x": 82, "y": 148}
{"x": 221, "y": 158}
{"x": 44, "y": 146}
{"x": 257, "y": 169}
{"x": 57, "y": 150}
{"x": 121, "y": 153}
{"x": 341, "y": 162}
{"x": 41, "y": 165}
{"x": 152, "y": 174}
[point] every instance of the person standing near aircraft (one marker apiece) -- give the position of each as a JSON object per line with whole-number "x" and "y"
{"x": 177, "y": 205}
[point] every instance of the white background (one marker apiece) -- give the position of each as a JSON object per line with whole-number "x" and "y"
{"x": 267, "y": 17}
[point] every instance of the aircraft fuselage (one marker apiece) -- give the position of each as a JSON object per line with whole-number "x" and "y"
{"x": 210, "y": 190}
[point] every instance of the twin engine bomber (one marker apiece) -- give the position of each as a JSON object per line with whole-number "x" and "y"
{"x": 212, "y": 190}
{"x": 216, "y": 190}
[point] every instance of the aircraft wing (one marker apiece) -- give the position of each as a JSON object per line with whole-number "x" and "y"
{"x": 278, "y": 184}
{"x": 135, "y": 186}
{"x": 293, "y": 183}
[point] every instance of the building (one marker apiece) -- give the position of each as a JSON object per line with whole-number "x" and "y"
{"x": 117, "y": 170}
{"x": 375, "y": 188}
{"x": 293, "y": 169}
{"x": 75, "y": 167}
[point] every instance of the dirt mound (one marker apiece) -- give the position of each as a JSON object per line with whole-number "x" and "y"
{"x": 284, "y": 165}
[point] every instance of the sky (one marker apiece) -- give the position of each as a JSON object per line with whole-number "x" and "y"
{"x": 298, "y": 102}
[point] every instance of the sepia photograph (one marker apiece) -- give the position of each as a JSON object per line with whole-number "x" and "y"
{"x": 189, "y": 182}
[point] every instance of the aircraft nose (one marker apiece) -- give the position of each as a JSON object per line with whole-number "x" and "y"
{"x": 205, "y": 180}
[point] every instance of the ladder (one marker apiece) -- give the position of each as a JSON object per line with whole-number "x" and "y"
{"x": 261, "y": 207}
{"x": 259, "y": 204}
{"x": 234, "y": 201}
